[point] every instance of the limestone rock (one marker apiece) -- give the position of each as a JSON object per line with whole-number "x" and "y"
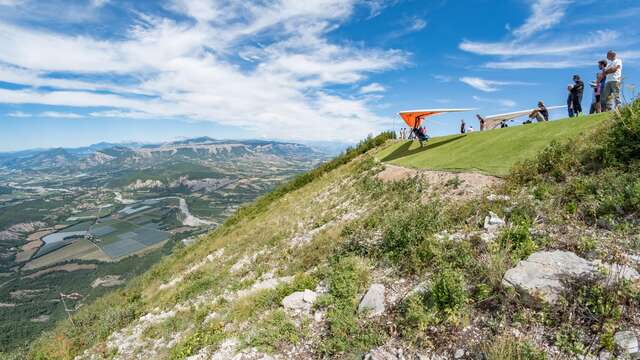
{"x": 493, "y": 198}
{"x": 300, "y": 300}
{"x": 626, "y": 342}
{"x": 382, "y": 353}
{"x": 458, "y": 354}
{"x": 373, "y": 300}
{"x": 493, "y": 222}
{"x": 540, "y": 276}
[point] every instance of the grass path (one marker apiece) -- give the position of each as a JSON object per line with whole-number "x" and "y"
{"x": 492, "y": 152}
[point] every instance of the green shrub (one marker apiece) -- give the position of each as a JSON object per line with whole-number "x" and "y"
{"x": 442, "y": 302}
{"x": 518, "y": 240}
{"x": 408, "y": 238}
{"x": 509, "y": 348}
{"x": 274, "y": 331}
{"x": 622, "y": 144}
{"x": 347, "y": 331}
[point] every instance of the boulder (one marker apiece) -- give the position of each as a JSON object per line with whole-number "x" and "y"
{"x": 373, "y": 300}
{"x": 493, "y": 222}
{"x": 626, "y": 342}
{"x": 300, "y": 300}
{"x": 540, "y": 277}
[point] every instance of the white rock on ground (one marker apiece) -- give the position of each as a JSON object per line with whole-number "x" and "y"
{"x": 373, "y": 300}
{"x": 300, "y": 300}
{"x": 493, "y": 197}
{"x": 493, "y": 222}
{"x": 382, "y": 353}
{"x": 626, "y": 342}
{"x": 541, "y": 276}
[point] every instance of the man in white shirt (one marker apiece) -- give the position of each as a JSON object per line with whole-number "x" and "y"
{"x": 613, "y": 71}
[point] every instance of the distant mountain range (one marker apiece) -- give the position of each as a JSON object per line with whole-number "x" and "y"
{"x": 105, "y": 155}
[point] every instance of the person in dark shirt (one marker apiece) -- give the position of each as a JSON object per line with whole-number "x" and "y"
{"x": 463, "y": 127}
{"x": 570, "y": 101}
{"x": 540, "y": 113}
{"x": 576, "y": 95}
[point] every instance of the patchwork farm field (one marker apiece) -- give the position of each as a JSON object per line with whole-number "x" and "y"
{"x": 131, "y": 231}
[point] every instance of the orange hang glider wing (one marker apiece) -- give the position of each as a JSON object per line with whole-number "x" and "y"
{"x": 415, "y": 118}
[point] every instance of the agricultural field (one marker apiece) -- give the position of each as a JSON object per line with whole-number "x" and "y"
{"x": 81, "y": 222}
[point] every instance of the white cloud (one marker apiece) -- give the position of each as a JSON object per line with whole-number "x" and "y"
{"x": 541, "y": 64}
{"x": 99, "y": 3}
{"x": 372, "y": 88}
{"x": 544, "y": 15}
{"x": 507, "y": 103}
{"x": 565, "y": 47}
{"x": 19, "y": 114}
{"x": 186, "y": 70}
{"x": 62, "y": 115}
{"x": 11, "y": 2}
{"x": 443, "y": 78}
{"x": 489, "y": 85}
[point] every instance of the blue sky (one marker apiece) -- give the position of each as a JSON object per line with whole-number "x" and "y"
{"x": 74, "y": 73}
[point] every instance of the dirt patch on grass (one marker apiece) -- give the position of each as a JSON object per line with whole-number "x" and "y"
{"x": 66, "y": 267}
{"x": 449, "y": 185}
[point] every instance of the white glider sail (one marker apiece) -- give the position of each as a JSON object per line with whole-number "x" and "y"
{"x": 493, "y": 121}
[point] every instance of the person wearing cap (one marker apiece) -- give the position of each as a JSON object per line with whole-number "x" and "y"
{"x": 570, "y": 100}
{"x": 613, "y": 72}
{"x": 577, "y": 90}
{"x": 541, "y": 113}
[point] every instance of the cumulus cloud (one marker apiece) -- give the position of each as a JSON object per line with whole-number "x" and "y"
{"x": 189, "y": 69}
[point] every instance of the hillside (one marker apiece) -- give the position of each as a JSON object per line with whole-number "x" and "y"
{"x": 344, "y": 262}
{"x": 492, "y": 152}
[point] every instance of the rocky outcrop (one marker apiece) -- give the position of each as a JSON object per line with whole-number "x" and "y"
{"x": 626, "y": 343}
{"x": 373, "y": 301}
{"x": 542, "y": 277}
{"x": 300, "y": 301}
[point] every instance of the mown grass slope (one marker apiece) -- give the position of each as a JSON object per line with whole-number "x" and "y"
{"x": 492, "y": 152}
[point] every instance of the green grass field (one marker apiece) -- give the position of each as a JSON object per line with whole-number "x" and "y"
{"x": 492, "y": 152}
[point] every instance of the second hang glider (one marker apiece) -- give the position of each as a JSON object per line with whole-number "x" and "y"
{"x": 493, "y": 121}
{"x": 415, "y": 118}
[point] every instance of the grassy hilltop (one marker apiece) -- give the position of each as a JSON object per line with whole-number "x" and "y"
{"x": 492, "y": 152}
{"x": 285, "y": 275}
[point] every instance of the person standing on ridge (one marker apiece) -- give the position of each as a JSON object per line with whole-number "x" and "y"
{"x": 481, "y": 119}
{"x": 576, "y": 95}
{"x": 601, "y": 78}
{"x": 612, "y": 84}
{"x": 570, "y": 101}
{"x": 463, "y": 127}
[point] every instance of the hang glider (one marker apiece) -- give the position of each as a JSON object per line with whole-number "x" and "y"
{"x": 493, "y": 121}
{"x": 415, "y": 118}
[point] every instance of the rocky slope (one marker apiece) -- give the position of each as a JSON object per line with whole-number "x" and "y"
{"x": 358, "y": 259}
